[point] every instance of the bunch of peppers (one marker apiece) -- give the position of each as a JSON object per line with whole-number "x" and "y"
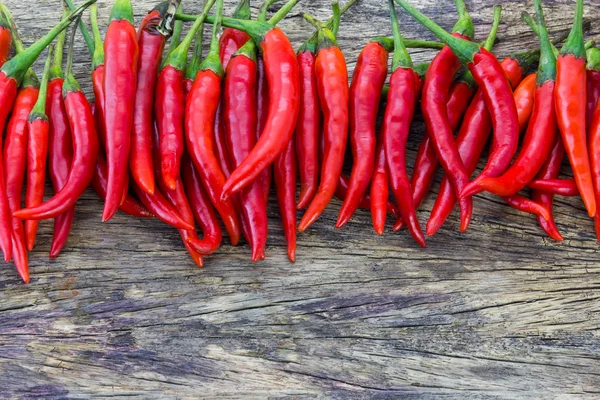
{"x": 198, "y": 140}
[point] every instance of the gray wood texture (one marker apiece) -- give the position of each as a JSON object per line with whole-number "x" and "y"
{"x": 498, "y": 312}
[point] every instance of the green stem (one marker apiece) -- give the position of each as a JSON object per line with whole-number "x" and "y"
{"x": 335, "y": 6}
{"x": 98, "y": 57}
{"x": 401, "y": 57}
{"x": 56, "y": 67}
{"x": 86, "y": 34}
{"x": 589, "y": 44}
{"x": 547, "y": 65}
{"x": 194, "y": 65}
{"x": 120, "y": 11}
{"x": 465, "y": 50}
{"x": 242, "y": 11}
{"x": 313, "y": 21}
{"x": 39, "y": 109}
{"x": 282, "y": 12}
{"x": 262, "y": 13}
{"x": 593, "y": 59}
{"x": 257, "y": 30}
{"x": 311, "y": 43}
{"x": 464, "y": 25}
{"x": 421, "y": 69}
{"x": 388, "y": 43}
{"x": 212, "y": 61}
{"x": 19, "y": 64}
{"x": 176, "y": 37}
{"x": 70, "y": 84}
{"x": 574, "y": 44}
{"x": 178, "y": 57}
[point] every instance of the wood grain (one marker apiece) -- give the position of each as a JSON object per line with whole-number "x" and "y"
{"x": 498, "y": 312}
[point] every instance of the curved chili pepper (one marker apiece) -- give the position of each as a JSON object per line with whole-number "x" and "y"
{"x": 498, "y": 96}
{"x": 332, "y": 83}
{"x": 539, "y": 138}
{"x": 5, "y": 39}
{"x": 240, "y": 118}
{"x": 570, "y": 98}
{"x": 37, "y": 152}
{"x": 130, "y": 206}
{"x": 471, "y": 140}
{"x": 550, "y": 170}
{"x": 281, "y": 70}
{"x": 380, "y": 189}
{"x": 15, "y": 150}
{"x": 396, "y": 126}
{"x": 285, "y": 170}
{"x": 120, "y": 79}
{"x": 169, "y": 105}
{"x": 438, "y": 81}
{"x": 365, "y": 93}
{"x": 158, "y": 205}
{"x": 85, "y": 151}
{"x": 60, "y": 149}
{"x": 204, "y": 212}
{"x": 527, "y": 206}
{"x": 151, "y": 44}
{"x": 524, "y": 96}
{"x": 561, "y": 187}
{"x": 366, "y": 203}
{"x": 593, "y": 83}
{"x": 200, "y": 115}
{"x": 11, "y": 75}
{"x": 308, "y": 127}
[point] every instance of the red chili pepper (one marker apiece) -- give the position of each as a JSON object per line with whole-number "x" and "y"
{"x": 524, "y": 96}
{"x": 120, "y": 78}
{"x": 527, "y": 206}
{"x": 539, "y": 138}
{"x": 5, "y": 39}
{"x": 160, "y": 206}
{"x": 232, "y": 39}
{"x": 498, "y": 96}
{"x": 380, "y": 189}
{"x": 240, "y": 118}
{"x": 37, "y": 152}
{"x": 60, "y": 149}
{"x": 85, "y": 151}
{"x": 204, "y": 212}
{"x": 262, "y": 108}
{"x": 332, "y": 83}
{"x": 594, "y": 152}
{"x": 471, "y": 140}
{"x": 308, "y": 127}
{"x": 365, "y": 93}
{"x": 342, "y": 189}
{"x": 151, "y": 44}
{"x": 98, "y": 72}
{"x": 570, "y": 98}
{"x": 169, "y": 105}
{"x": 396, "y": 126}
{"x": 550, "y": 170}
{"x": 438, "y": 81}
{"x": 200, "y": 115}
{"x": 285, "y": 170}
{"x": 15, "y": 157}
{"x": 130, "y": 206}
{"x": 593, "y": 83}
{"x": 281, "y": 69}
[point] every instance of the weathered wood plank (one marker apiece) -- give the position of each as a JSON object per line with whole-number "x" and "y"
{"x": 497, "y": 312}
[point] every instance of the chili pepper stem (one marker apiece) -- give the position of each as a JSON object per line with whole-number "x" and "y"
{"x": 39, "y": 109}
{"x": 86, "y": 34}
{"x": 98, "y": 56}
{"x": 574, "y": 44}
{"x": 121, "y": 10}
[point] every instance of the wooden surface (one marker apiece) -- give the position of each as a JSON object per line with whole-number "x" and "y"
{"x": 498, "y": 312}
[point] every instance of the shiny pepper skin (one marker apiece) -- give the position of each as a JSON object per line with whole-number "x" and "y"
{"x": 380, "y": 189}
{"x": 37, "y": 153}
{"x": 151, "y": 44}
{"x": 15, "y": 158}
{"x": 365, "y": 92}
{"x": 120, "y": 78}
{"x": 285, "y": 171}
{"x": 332, "y": 83}
{"x": 60, "y": 156}
{"x": 308, "y": 128}
{"x": 570, "y": 103}
{"x": 524, "y": 94}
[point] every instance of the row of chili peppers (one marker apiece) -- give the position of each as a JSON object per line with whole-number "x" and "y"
{"x": 193, "y": 142}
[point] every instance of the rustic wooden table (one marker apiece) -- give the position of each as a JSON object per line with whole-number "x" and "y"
{"x": 500, "y": 311}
